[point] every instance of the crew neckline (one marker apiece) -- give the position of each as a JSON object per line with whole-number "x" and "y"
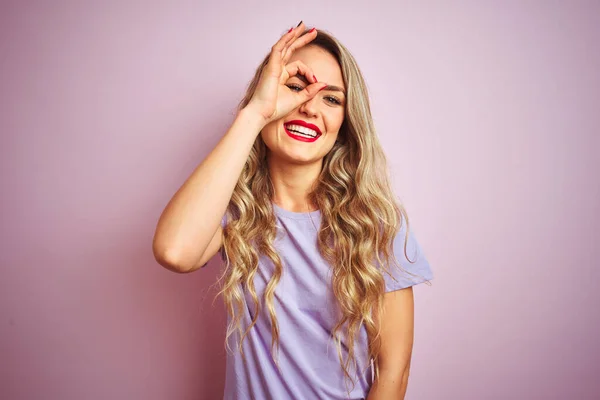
{"x": 295, "y": 215}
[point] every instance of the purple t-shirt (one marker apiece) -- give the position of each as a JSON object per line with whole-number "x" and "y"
{"x": 306, "y": 314}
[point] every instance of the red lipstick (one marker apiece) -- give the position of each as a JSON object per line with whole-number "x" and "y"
{"x": 304, "y": 124}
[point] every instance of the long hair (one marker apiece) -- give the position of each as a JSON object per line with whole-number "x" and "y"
{"x": 360, "y": 218}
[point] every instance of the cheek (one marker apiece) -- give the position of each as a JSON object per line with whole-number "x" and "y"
{"x": 334, "y": 122}
{"x": 269, "y": 132}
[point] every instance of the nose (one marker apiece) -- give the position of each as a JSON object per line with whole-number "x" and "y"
{"x": 309, "y": 108}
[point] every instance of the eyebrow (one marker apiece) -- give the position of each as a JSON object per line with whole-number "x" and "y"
{"x": 328, "y": 87}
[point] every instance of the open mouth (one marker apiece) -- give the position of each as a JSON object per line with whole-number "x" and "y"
{"x": 302, "y": 130}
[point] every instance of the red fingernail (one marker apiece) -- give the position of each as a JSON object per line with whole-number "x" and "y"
{"x": 315, "y": 78}
{"x": 312, "y": 30}
{"x": 290, "y": 30}
{"x": 323, "y": 88}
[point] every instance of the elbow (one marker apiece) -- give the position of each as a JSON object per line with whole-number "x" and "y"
{"x": 405, "y": 378}
{"x": 396, "y": 378}
{"x": 169, "y": 258}
{"x": 399, "y": 378}
{"x": 402, "y": 374}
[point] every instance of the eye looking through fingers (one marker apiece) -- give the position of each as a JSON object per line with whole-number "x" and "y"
{"x": 333, "y": 100}
{"x": 298, "y": 82}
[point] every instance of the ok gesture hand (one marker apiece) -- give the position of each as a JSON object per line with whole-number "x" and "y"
{"x": 272, "y": 99}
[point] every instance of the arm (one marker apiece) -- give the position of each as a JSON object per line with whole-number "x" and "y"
{"x": 188, "y": 223}
{"x": 397, "y": 327}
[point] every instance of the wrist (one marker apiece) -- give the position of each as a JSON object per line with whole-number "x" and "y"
{"x": 252, "y": 118}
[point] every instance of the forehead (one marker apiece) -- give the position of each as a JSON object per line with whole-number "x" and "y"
{"x": 323, "y": 64}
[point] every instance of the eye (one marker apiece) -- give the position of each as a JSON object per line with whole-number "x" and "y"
{"x": 330, "y": 99}
{"x": 294, "y": 87}
{"x": 333, "y": 99}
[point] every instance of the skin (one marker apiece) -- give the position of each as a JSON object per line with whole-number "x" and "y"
{"x": 397, "y": 333}
{"x": 295, "y": 165}
{"x": 188, "y": 233}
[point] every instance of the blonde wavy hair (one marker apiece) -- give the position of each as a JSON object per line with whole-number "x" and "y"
{"x": 360, "y": 218}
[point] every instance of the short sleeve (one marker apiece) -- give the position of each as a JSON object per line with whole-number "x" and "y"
{"x": 221, "y": 252}
{"x": 418, "y": 267}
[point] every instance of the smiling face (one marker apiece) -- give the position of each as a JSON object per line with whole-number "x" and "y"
{"x": 309, "y": 132}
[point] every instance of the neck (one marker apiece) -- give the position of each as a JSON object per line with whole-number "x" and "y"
{"x": 292, "y": 183}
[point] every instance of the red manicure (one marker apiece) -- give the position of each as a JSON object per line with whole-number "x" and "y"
{"x": 312, "y": 30}
{"x": 315, "y": 78}
{"x": 290, "y": 30}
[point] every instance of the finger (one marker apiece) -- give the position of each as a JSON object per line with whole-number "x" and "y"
{"x": 299, "y": 68}
{"x": 297, "y": 43}
{"x": 284, "y": 40}
{"x": 303, "y": 40}
{"x": 276, "y": 55}
{"x": 297, "y": 31}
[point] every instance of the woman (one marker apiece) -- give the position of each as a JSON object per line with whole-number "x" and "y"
{"x": 310, "y": 231}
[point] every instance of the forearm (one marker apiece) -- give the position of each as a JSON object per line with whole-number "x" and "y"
{"x": 389, "y": 385}
{"x": 192, "y": 216}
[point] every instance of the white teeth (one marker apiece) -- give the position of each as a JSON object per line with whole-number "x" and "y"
{"x": 303, "y": 135}
{"x": 302, "y": 130}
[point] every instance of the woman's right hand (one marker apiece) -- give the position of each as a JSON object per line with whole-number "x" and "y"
{"x": 272, "y": 99}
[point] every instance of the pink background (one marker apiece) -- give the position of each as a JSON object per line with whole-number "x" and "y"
{"x": 488, "y": 111}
